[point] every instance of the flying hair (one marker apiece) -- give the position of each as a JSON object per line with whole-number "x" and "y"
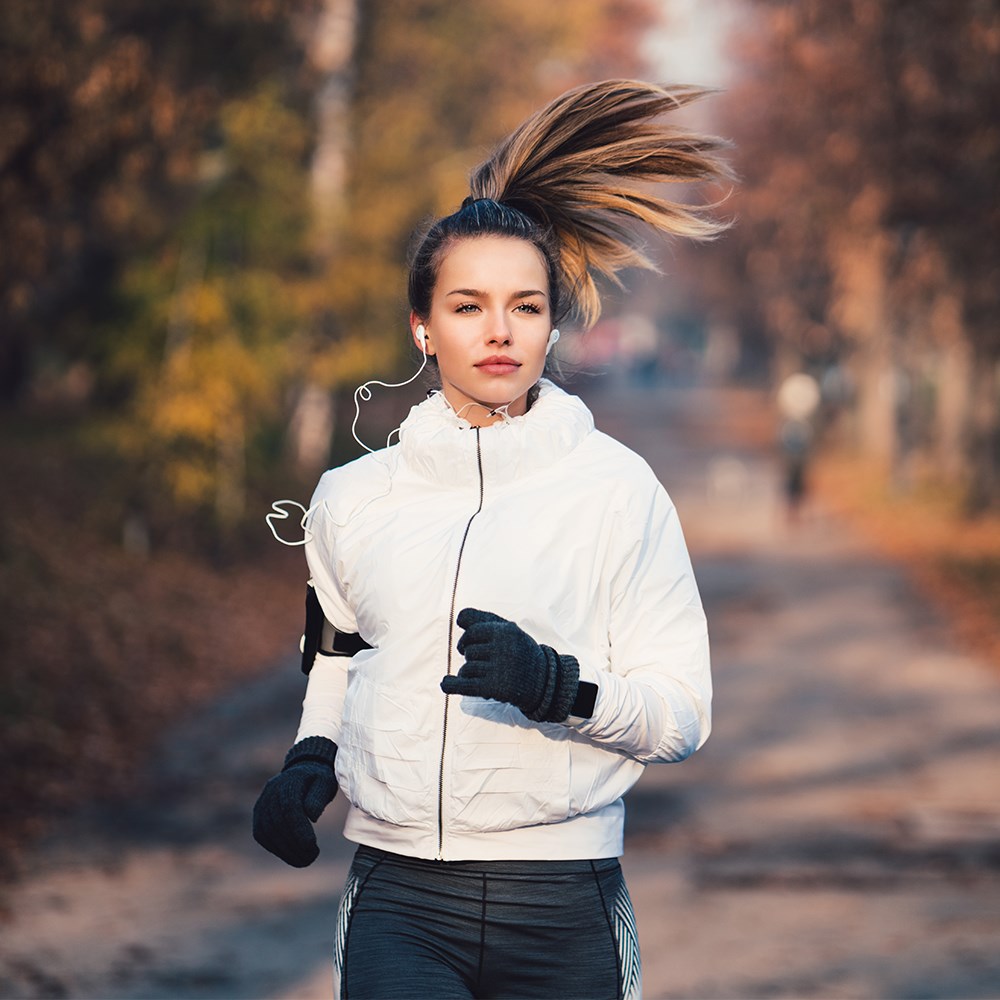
{"x": 573, "y": 167}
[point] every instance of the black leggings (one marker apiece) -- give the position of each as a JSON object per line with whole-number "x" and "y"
{"x": 414, "y": 929}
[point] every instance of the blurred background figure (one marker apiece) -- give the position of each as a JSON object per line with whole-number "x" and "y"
{"x": 639, "y": 347}
{"x": 798, "y": 402}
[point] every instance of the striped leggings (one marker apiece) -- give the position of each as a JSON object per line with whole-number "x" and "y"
{"x": 414, "y": 929}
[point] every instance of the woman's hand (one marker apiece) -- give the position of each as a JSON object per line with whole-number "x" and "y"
{"x": 293, "y": 800}
{"x": 504, "y": 663}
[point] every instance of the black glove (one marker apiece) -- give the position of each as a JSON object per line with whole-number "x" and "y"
{"x": 293, "y": 798}
{"x": 504, "y": 663}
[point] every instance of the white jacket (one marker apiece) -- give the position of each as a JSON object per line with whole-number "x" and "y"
{"x": 549, "y": 523}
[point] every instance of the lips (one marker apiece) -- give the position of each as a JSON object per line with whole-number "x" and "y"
{"x": 498, "y": 364}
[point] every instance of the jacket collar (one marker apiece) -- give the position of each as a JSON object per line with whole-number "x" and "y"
{"x": 441, "y": 446}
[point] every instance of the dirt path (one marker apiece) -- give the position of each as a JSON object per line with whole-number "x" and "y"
{"x": 839, "y": 835}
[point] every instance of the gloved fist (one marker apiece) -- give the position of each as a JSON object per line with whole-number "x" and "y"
{"x": 504, "y": 663}
{"x": 293, "y": 800}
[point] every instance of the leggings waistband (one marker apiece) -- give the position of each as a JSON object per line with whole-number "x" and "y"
{"x": 513, "y": 869}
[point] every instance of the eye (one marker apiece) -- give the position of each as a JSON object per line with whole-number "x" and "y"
{"x": 467, "y": 307}
{"x": 530, "y": 307}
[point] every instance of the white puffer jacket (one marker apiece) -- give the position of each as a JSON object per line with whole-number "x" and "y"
{"x": 549, "y": 523}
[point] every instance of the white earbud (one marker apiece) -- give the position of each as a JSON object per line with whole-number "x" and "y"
{"x": 421, "y": 335}
{"x": 553, "y": 337}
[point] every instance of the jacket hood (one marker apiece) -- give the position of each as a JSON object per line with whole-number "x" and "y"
{"x": 438, "y": 444}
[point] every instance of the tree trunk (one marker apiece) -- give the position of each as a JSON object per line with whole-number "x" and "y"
{"x": 859, "y": 308}
{"x": 231, "y": 474}
{"x": 332, "y": 52}
{"x": 984, "y": 435}
{"x": 312, "y": 424}
{"x": 953, "y": 377}
{"x": 311, "y": 428}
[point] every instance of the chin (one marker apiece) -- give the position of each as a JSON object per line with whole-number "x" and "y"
{"x": 496, "y": 393}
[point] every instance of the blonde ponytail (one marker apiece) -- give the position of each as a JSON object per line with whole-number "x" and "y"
{"x": 571, "y": 171}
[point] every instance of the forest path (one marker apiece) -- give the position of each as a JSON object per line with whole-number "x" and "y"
{"x": 839, "y": 835}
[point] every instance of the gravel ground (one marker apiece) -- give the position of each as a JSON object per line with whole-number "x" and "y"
{"x": 838, "y": 836}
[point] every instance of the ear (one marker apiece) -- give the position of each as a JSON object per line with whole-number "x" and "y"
{"x": 415, "y": 322}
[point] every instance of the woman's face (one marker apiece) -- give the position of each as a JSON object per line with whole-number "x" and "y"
{"x": 489, "y": 325}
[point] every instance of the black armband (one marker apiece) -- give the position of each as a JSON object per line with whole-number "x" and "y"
{"x": 321, "y": 638}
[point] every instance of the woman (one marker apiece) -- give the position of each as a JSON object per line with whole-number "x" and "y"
{"x": 511, "y": 625}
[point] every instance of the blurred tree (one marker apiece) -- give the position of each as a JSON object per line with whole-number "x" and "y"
{"x": 217, "y": 314}
{"x": 868, "y": 140}
{"x": 106, "y": 107}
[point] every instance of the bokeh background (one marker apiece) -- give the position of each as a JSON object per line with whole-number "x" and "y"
{"x": 205, "y": 212}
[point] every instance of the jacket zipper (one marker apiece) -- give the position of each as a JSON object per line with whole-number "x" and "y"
{"x": 451, "y": 646}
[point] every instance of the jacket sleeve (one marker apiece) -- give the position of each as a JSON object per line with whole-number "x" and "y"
{"x": 321, "y": 555}
{"x": 322, "y": 707}
{"x": 654, "y": 703}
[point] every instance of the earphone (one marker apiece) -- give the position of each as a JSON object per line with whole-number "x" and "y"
{"x": 363, "y": 392}
{"x": 279, "y": 511}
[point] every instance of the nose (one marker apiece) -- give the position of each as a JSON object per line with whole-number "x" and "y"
{"x": 499, "y": 330}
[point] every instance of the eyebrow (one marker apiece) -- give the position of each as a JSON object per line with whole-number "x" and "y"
{"x": 476, "y": 294}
